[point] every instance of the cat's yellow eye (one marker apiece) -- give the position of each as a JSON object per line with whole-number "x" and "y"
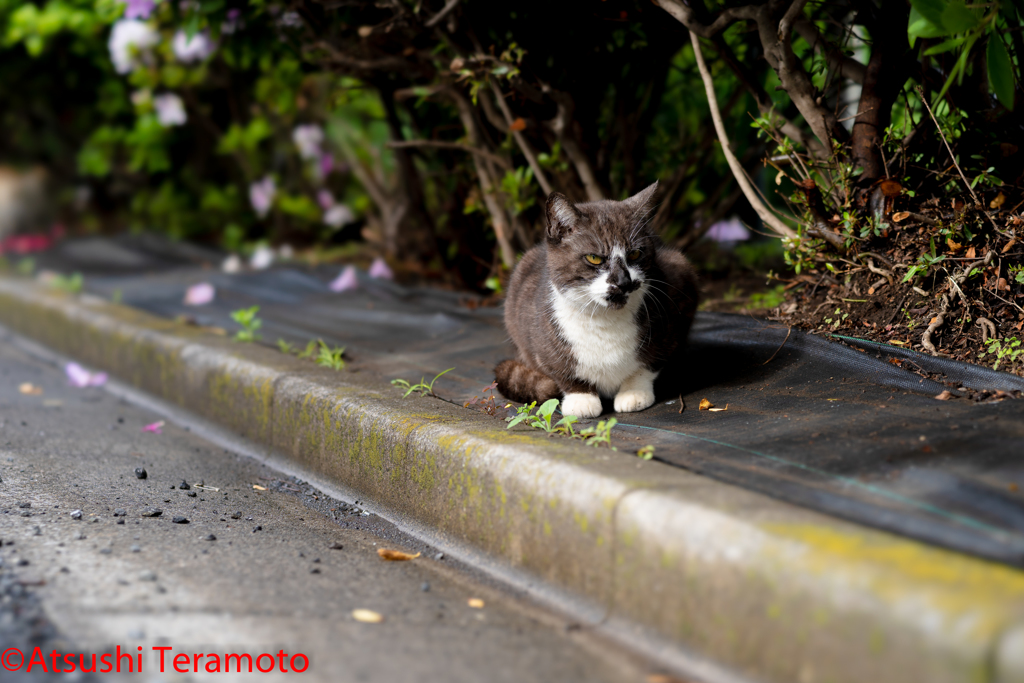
{"x": 633, "y": 255}
{"x": 594, "y": 259}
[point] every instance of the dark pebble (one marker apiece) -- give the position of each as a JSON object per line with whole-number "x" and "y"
{"x": 336, "y": 546}
{"x": 236, "y": 515}
{"x": 22, "y": 562}
{"x": 140, "y": 473}
{"x": 184, "y": 485}
{"x": 76, "y": 514}
{"x": 425, "y": 586}
{"x": 120, "y": 521}
{"x": 180, "y": 520}
{"x": 316, "y": 561}
{"x": 259, "y": 528}
{"x": 152, "y": 512}
{"x": 136, "y": 549}
{"x": 173, "y": 487}
{"x": 191, "y": 494}
{"x": 209, "y": 537}
{"x": 314, "y": 570}
{"x": 120, "y": 512}
{"x": 104, "y": 551}
{"x": 24, "y": 505}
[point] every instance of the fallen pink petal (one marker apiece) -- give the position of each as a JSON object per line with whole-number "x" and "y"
{"x": 200, "y": 295}
{"x": 156, "y": 427}
{"x": 80, "y": 377}
{"x": 345, "y": 281}
{"x": 380, "y": 270}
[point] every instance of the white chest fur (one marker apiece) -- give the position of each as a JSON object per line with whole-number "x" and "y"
{"x": 604, "y": 341}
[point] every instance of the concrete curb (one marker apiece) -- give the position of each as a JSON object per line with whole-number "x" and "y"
{"x": 777, "y": 592}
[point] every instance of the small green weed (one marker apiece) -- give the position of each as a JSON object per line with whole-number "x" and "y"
{"x": 601, "y": 433}
{"x": 68, "y": 283}
{"x": 1007, "y": 349}
{"x": 309, "y": 350}
{"x": 26, "y": 266}
{"x": 646, "y": 453}
{"x": 246, "y": 317}
{"x": 330, "y": 358}
{"x": 542, "y": 418}
{"x": 422, "y": 387}
{"x": 285, "y": 347}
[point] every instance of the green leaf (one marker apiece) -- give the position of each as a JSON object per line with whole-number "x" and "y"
{"x": 930, "y": 10}
{"x": 547, "y": 408}
{"x": 919, "y": 26}
{"x": 1000, "y": 70}
{"x": 946, "y": 46}
{"x": 957, "y": 18}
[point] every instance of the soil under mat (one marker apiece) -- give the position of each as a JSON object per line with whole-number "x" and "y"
{"x": 853, "y": 429}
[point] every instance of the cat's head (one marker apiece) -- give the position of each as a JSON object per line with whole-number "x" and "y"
{"x": 599, "y": 252}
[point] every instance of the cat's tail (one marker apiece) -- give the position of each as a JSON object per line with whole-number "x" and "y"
{"x": 517, "y": 382}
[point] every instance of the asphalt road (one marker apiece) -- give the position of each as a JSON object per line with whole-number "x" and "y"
{"x": 277, "y": 571}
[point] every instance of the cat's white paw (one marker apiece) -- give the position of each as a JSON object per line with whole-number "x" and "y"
{"x": 632, "y": 400}
{"x": 582, "y": 405}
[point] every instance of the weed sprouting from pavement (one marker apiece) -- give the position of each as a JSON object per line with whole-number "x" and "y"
{"x": 246, "y": 317}
{"x": 330, "y": 357}
{"x": 542, "y": 418}
{"x": 485, "y": 402}
{"x": 646, "y": 453}
{"x": 421, "y": 387}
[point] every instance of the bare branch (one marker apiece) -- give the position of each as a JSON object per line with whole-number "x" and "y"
{"x": 439, "y": 17}
{"x": 561, "y": 126}
{"x": 688, "y": 18}
{"x": 440, "y": 144}
{"x": 521, "y": 140}
{"x": 769, "y": 218}
{"x": 846, "y": 67}
{"x": 502, "y": 227}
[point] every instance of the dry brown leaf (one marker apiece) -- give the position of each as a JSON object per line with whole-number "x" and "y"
{"x": 518, "y": 125}
{"x": 971, "y": 253}
{"x": 259, "y": 488}
{"x": 30, "y": 389}
{"x": 395, "y": 555}
{"x": 900, "y": 216}
{"x": 1009, "y": 245}
{"x": 946, "y": 395}
{"x": 705, "y": 404}
{"x": 954, "y": 247}
{"x": 998, "y": 201}
{"x": 475, "y": 603}
{"x": 367, "y": 616}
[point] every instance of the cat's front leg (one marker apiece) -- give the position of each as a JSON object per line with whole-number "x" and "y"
{"x": 581, "y": 405}
{"x": 636, "y": 393}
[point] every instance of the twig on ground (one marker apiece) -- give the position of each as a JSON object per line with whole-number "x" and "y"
{"x": 936, "y": 323}
{"x": 788, "y": 332}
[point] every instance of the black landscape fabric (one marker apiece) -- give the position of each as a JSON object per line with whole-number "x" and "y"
{"x": 854, "y": 431}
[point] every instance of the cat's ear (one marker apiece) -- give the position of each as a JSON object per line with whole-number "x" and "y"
{"x": 563, "y": 217}
{"x": 643, "y": 201}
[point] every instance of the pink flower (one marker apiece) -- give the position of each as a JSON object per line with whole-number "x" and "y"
{"x": 199, "y": 295}
{"x": 80, "y": 377}
{"x": 156, "y": 427}
{"x": 308, "y": 138}
{"x": 326, "y": 164}
{"x": 325, "y": 199}
{"x": 198, "y": 48}
{"x": 380, "y": 270}
{"x": 170, "y": 110}
{"x": 346, "y": 281}
{"x": 338, "y": 216}
{"x": 730, "y": 230}
{"x": 261, "y": 194}
{"x": 139, "y": 9}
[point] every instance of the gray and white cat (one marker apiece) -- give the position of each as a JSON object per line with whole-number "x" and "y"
{"x": 598, "y": 309}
